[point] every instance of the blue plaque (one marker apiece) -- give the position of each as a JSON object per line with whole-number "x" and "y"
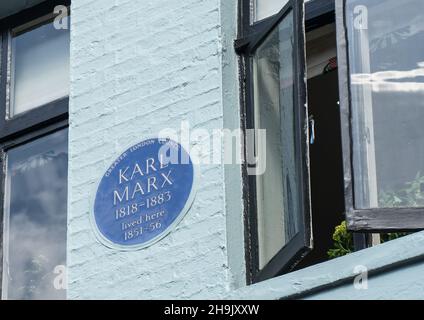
{"x": 143, "y": 194}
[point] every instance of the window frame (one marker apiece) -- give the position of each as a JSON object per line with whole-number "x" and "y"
{"x": 39, "y": 116}
{"x": 250, "y": 37}
{"x": 33, "y": 124}
{"x": 363, "y": 220}
{"x": 4, "y": 148}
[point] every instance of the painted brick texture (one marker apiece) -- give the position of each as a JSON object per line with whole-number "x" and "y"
{"x": 137, "y": 67}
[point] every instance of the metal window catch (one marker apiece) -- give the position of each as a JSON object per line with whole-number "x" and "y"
{"x": 312, "y": 128}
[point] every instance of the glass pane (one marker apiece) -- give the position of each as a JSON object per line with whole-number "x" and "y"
{"x": 35, "y": 218}
{"x": 39, "y": 68}
{"x": 386, "y": 55}
{"x": 266, "y": 8}
{"x": 277, "y": 197}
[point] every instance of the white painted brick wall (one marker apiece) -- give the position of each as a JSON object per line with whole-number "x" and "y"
{"x": 138, "y": 66}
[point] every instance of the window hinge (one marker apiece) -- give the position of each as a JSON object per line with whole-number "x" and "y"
{"x": 240, "y": 45}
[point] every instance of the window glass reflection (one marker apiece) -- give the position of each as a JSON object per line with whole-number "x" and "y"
{"x": 39, "y": 68}
{"x": 266, "y": 8}
{"x": 386, "y": 54}
{"x": 35, "y": 218}
{"x": 277, "y": 196}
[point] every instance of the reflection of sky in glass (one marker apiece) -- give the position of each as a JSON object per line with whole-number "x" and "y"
{"x": 387, "y": 66}
{"x": 267, "y": 8}
{"x": 40, "y": 67}
{"x": 35, "y": 210}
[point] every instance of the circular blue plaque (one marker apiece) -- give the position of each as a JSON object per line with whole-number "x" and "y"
{"x": 144, "y": 194}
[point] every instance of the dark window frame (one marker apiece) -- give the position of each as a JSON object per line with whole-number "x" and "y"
{"x": 250, "y": 37}
{"x": 37, "y": 117}
{"x": 365, "y": 220}
{"x": 33, "y": 124}
{"x": 361, "y": 222}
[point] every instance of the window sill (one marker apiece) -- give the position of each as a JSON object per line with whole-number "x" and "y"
{"x": 377, "y": 260}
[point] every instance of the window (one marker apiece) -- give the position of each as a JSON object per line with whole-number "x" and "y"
{"x": 34, "y": 153}
{"x": 382, "y": 112}
{"x": 337, "y": 86}
{"x": 276, "y": 189}
{"x": 280, "y": 214}
{"x": 264, "y": 8}
{"x": 38, "y": 77}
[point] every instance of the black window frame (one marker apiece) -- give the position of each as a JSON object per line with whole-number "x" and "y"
{"x": 384, "y": 220}
{"x": 33, "y": 124}
{"x": 250, "y": 37}
{"x": 42, "y": 115}
{"x": 362, "y": 223}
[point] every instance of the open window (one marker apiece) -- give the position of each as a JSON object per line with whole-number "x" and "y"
{"x": 381, "y": 72}
{"x": 280, "y": 197}
{"x": 345, "y": 140}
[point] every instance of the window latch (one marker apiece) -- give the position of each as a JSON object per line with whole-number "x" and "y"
{"x": 312, "y": 129}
